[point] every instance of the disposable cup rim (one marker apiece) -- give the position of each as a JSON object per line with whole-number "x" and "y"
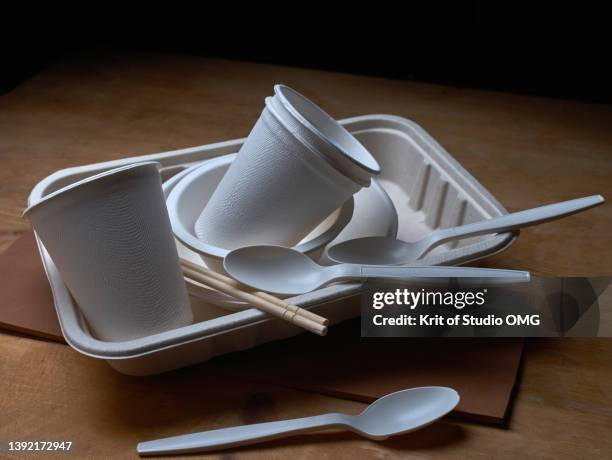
{"x": 313, "y": 148}
{"x": 105, "y": 176}
{"x": 370, "y": 166}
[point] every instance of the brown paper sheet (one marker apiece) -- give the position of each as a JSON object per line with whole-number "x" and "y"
{"x": 26, "y": 303}
{"x": 342, "y": 364}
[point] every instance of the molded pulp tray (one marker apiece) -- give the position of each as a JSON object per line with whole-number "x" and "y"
{"x": 429, "y": 190}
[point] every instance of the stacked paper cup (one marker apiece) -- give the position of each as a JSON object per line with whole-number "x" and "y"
{"x": 295, "y": 168}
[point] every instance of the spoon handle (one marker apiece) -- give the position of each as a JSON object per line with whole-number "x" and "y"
{"x": 239, "y": 435}
{"x": 398, "y": 271}
{"x": 515, "y": 220}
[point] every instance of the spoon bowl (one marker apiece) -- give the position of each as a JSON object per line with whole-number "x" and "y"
{"x": 375, "y": 250}
{"x": 275, "y": 269}
{"x": 405, "y": 411}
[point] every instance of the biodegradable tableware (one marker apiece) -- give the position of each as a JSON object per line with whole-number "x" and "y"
{"x": 285, "y": 271}
{"x": 428, "y": 187}
{"x": 374, "y": 214}
{"x": 394, "y": 414}
{"x": 266, "y": 302}
{"x": 391, "y": 251}
{"x": 283, "y": 182}
{"x": 109, "y": 236}
{"x": 192, "y": 190}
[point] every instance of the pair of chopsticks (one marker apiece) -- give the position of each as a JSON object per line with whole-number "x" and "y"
{"x": 261, "y": 300}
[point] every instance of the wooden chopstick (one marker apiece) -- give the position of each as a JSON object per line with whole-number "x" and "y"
{"x": 262, "y": 304}
{"x": 264, "y": 295}
{"x": 258, "y": 302}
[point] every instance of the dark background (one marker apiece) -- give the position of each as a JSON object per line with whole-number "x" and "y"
{"x": 558, "y": 49}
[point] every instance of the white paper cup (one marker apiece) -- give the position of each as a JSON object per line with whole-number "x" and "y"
{"x": 286, "y": 178}
{"x": 110, "y": 237}
{"x": 189, "y": 192}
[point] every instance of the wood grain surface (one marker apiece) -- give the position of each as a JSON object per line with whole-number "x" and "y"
{"x": 527, "y": 151}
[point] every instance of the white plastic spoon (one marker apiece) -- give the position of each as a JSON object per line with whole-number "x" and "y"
{"x": 286, "y": 271}
{"x": 389, "y": 251}
{"x": 394, "y": 414}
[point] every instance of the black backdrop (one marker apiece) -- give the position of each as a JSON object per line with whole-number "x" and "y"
{"x": 556, "y": 49}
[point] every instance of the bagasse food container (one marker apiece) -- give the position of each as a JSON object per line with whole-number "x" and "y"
{"x": 427, "y": 186}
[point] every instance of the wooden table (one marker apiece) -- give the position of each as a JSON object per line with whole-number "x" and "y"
{"x": 527, "y": 151}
